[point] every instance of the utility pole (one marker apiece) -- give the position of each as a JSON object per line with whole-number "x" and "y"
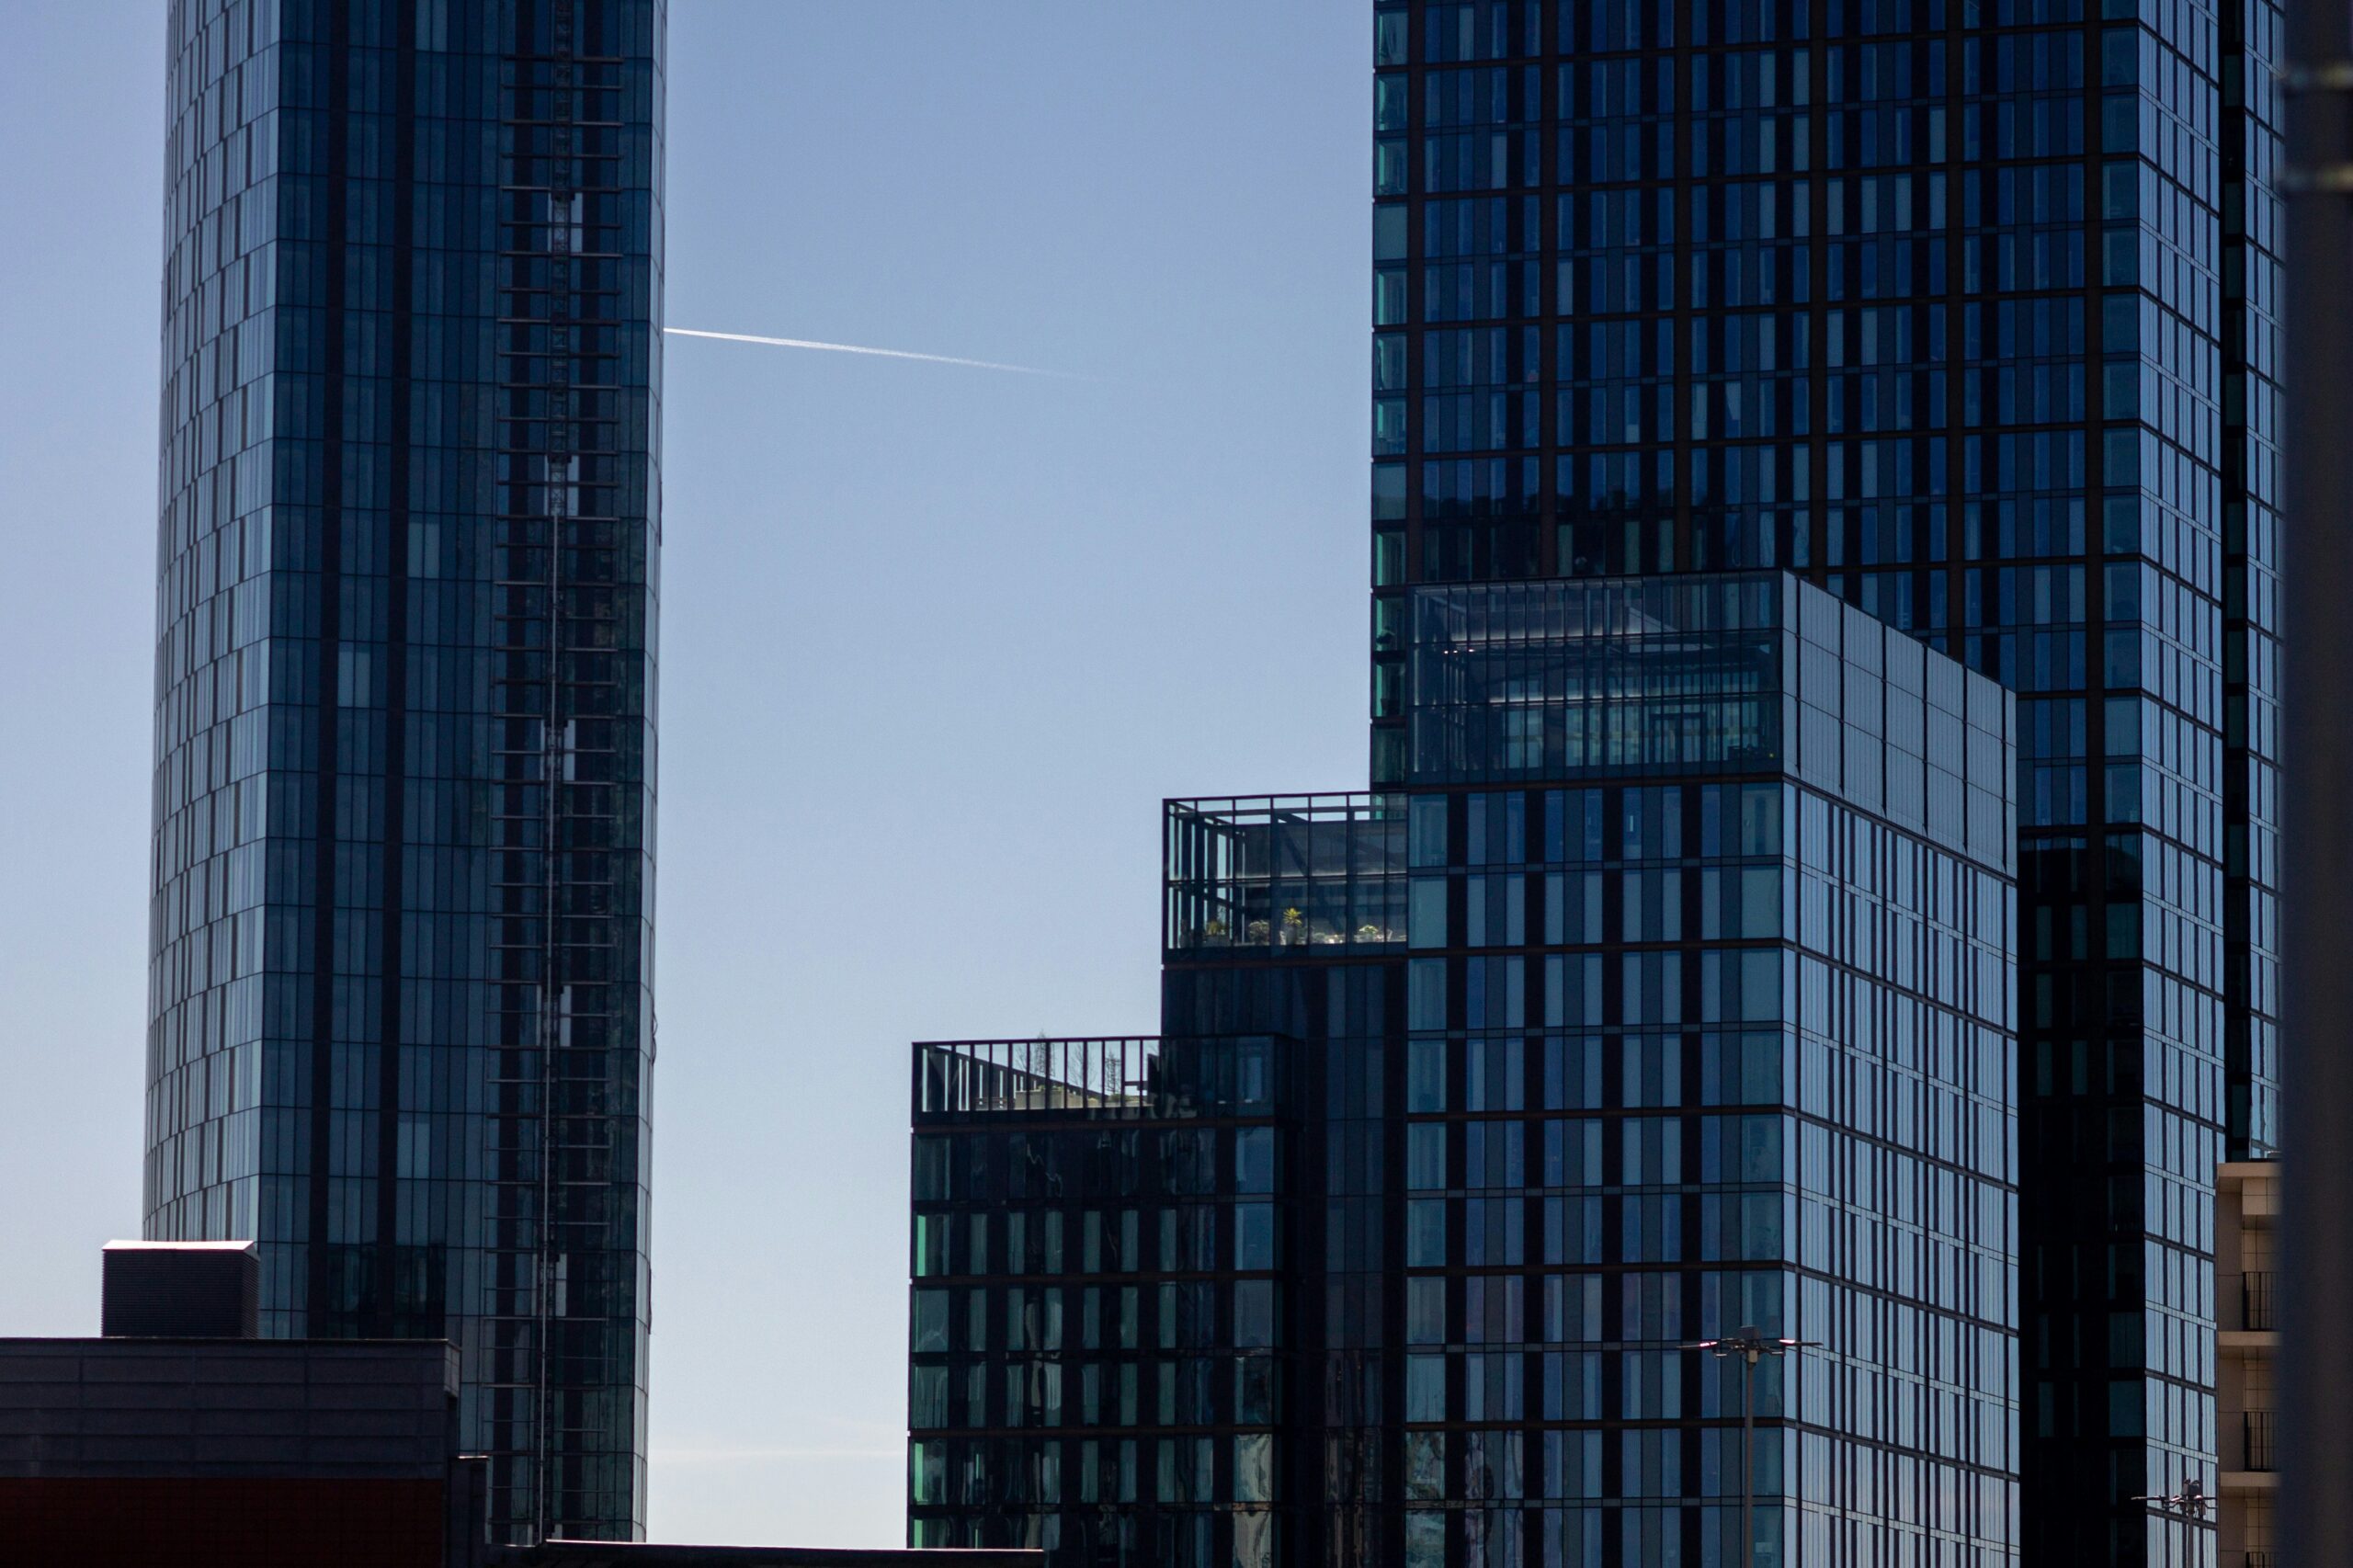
{"x": 2316, "y": 734}
{"x": 1751, "y": 1348}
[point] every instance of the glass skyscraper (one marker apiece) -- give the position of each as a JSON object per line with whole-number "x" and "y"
{"x": 1669, "y": 993}
{"x": 1965, "y": 309}
{"x": 1964, "y": 312}
{"x": 400, "y": 992}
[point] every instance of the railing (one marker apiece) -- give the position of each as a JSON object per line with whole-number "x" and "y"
{"x": 2263, "y": 1558}
{"x": 1270, "y": 871}
{"x": 1093, "y": 1077}
{"x": 2256, "y": 1310}
{"x": 2257, "y": 1453}
{"x": 1099, "y": 1079}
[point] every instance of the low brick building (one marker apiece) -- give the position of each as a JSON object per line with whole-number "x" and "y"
{"x": 179, "y": 1438}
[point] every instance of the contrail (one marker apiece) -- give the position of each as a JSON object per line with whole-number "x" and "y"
{"x": 879, "y": 353}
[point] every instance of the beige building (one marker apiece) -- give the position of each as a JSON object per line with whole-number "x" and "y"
{"x": 2246, "y": 1240}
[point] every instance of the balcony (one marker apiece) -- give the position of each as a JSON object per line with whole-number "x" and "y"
{"x": 1104, "y": 1079}
{"x": 2256, "y": 1313}
{"x": 2254, "y": 1437}
{"x": 1255, "y": 874}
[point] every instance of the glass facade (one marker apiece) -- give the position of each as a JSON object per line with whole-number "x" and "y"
{"x": 1719, "y": 1036}
{"x": 1669, "y": 991}
{"x": 1258, "y": 874}
{"x": 2249, "y": 136}
{"x": 1095, "y": 1333}
{"x": 401, "y": 1016}
{"x": 1967, "y": 312}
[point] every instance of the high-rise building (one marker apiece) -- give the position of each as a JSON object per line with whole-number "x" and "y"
{"x": 1966, "y": 310}
{"x": 1667, "y": 995}
{"x": 400, "y": 992}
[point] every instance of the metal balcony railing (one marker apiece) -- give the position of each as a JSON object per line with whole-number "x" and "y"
{"x": 1110, "y": 1078}
{"x": 2255, "y": 1309}
{"x": 2257, "y": 1452}
{"x": 2261, "y": 1558}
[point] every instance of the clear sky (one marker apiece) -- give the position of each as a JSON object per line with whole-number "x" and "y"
{"x": 936, "y": 639}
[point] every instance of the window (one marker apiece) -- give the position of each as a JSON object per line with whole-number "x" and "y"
{"x": 1257, "y": 1389}
{"x": 1426, "y": 1466}
{"x": 1425, "y": 912}
{"x": 1425, "y": 1155}
{"x": 930, "y": 1328}
{"x": 1427, "y": 826}
{"x": 931, "y": 1170}
{"x": 1425, "y": 1388}
{"x": 930, "y": 1245}
{"x": 1760, "y": 819}
{"x": 1254, "y": 1314}
{"x": 1426, "y": 995}
{"x": 1254, "y": 1159}
{"x": 928, "y": 1473}
{"x": 1254, "y": 1467}
{"x": 1425, "y": 1539}
{"x": 1426, "y": 1233}
{"x": 1254, "y": 1236}
{"x": 1425, "y": 1312}
{"x": 1760, "y": 983}
{"x": 1426, "y": 1075}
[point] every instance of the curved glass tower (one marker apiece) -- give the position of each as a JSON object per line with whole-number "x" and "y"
{"x": 401, "y": 986}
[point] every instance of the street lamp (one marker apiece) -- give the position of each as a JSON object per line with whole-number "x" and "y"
{"x": 1751, "y": 1348}
{"x": 2191, "y": 1500}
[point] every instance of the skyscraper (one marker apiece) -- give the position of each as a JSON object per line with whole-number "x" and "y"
{"x": 1965, "y": 309}
{"x": 1670, "y": 994}
{"x": 400, "y": 992}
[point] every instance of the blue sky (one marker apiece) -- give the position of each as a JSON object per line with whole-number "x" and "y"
{"x": 936, "y": 639}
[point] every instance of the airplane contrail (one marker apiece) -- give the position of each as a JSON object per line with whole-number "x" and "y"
{"x": 880, "y": 353}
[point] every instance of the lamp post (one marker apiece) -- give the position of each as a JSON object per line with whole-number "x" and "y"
{"x": 2190, "y": 1501}
{"x": 1751, "y": 1348}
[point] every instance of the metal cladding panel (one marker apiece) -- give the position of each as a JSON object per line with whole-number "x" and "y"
{"x": 148, "y": 1408}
